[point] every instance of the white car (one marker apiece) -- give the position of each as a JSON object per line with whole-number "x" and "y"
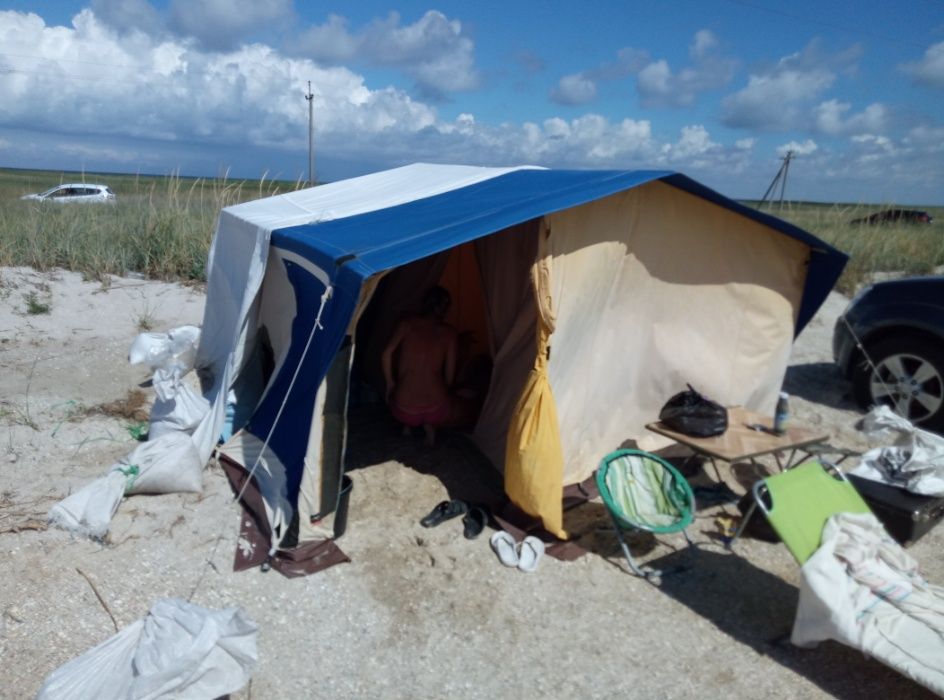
{"x": 74, "y": 192}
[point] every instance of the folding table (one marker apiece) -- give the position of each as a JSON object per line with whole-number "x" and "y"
{"x": 750, "y": 435}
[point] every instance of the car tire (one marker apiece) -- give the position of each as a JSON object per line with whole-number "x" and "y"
{"x": 908, "y": 377}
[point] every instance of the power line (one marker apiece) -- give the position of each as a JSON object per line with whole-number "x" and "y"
{"x": 828, "y": 25}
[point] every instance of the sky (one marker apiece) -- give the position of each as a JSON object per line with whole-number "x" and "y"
{"x": 720, "y": 90}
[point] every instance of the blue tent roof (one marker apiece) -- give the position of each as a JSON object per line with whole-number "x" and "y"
{"x": 380, "y": 240}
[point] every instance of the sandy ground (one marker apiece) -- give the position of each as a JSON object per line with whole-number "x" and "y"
{"x": 419, "y": 613}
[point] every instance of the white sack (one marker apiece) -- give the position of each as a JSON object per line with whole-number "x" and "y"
{"x": 155, "y": 349}
{"x": 179, "y": 650}
{"x": 169, "y": 356}
{"x": 169, "y": 464}
{"x": 914, "y": 461}
{"x": 89, "y": 510}
{"x": 182, "y": 412}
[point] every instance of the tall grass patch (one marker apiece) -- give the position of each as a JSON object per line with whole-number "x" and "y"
{"x": 160, "y": 228}
{"x": 898, "y": 248}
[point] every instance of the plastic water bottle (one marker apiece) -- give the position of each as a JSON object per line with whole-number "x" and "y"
{"x": 782, "y": 413}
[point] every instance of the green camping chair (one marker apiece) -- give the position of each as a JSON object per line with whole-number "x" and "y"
{"x": 798, "y": 502}
{"x": 642, "y": 491}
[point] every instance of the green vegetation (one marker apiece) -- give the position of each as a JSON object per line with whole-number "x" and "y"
{"x": 34, "y": 306}
{"x": 161, "y": 227}
{"x": 912, "y": 249}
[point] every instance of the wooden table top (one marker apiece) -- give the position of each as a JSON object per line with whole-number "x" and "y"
{"x": 740, "y": 442}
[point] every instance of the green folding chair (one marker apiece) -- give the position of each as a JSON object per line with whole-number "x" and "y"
{"x": 798, "y": 502}
{"x": 641, "y": 491}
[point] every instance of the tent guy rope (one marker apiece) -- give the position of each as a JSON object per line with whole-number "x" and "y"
{"x": 314, "y": 329}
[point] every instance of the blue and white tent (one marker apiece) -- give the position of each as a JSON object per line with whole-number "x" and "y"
{"x": 595, "y": 295}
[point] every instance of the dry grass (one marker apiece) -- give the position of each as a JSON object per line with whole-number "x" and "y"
{"x": 909, "y": 249}
{"x": 133, "y": 407}
{"x": 160, "y": 228}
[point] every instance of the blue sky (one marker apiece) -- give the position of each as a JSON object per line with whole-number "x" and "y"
{"x": 717, "y": 89}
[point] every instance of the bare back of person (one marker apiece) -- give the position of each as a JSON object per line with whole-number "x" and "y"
{"x": 423, "y": 369}
{"x": 425, "y": 348}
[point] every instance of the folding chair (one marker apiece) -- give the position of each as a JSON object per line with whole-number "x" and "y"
{"x": 641, "y": 491}
{"x": 798, "y": 502}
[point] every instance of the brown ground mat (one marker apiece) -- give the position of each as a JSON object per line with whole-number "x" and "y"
{"x": 255, "y": 535}
{"x": 520, "y": 524}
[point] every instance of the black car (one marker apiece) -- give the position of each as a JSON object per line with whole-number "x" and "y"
{"x": 895, "y": 216}
{"x": 890, "y": 343}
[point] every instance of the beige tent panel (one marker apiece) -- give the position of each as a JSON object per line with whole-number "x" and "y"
{"x": 623, "y": 268}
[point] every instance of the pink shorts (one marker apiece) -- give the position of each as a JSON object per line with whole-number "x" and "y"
{"x": 434, "y": 416}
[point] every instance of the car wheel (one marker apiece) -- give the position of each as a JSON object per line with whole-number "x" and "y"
{"x": 908, "y": 377}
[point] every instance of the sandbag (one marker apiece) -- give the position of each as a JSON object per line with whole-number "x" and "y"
{"x": 179, "y": 650}
{"x": 182, "y": 412}
{"x": 169, "y": 464}
{"x": 170, "y": 357}
{"x": 89, "y": 510}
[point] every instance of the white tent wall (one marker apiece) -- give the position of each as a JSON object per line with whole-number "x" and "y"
{"x": 653, "y": 288}
{"x": 235, "y": 269}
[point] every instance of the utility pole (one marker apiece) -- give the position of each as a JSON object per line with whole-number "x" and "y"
{"x": 311, "y": 137}
{"x": 781, "y": 177}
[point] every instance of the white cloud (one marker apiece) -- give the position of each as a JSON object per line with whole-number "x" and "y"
{"x": 574, "y": 89}
{"x": 770, "y": 101}
{"x": 830, "y": 118}
{"x": 926, "y": 137}
{"x": 580, "y": 88}
{"x": 781, "y": 96}
{"x": 704, "y": 42}
{"x": 162, "y": 89}
{"x": 224, "y": 24}
{"x": 331, "y": 42}
{"x": 799, "y": 149}
{"x": 745, "y": 144}
{"x": 128, "y": 15}
{"x": 654, "y": 79}
{"x": 659, "y": 86}
{"x": 433, "y": 50}
{"x": 694, "y": 141}
{"x": 929, "y": 70}
{"x": 877, "y": 141}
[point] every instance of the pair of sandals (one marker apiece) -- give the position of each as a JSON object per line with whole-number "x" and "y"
{"x": 524, "y": 555}
{"x": 474, "y": 517}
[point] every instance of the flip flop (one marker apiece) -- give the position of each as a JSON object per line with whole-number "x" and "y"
{"x": 505, "y": 547}
{"x": 474, "y": 522}
{"x": 447, "y": 510}
{"x": 531, "y": 550}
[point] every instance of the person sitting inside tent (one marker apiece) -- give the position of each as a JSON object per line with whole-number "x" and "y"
{"x": 418, "y": 392}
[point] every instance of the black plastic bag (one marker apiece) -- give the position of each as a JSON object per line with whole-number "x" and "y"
{"x": 690, "y": 413}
